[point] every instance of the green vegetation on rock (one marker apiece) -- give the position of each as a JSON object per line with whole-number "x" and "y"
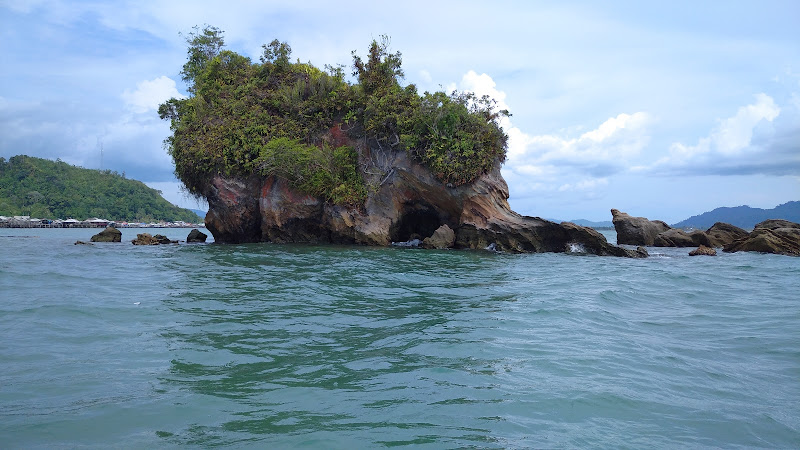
{"x": 315, "y": 129}
{"x": 325, "y": 172}
{"x": 56, "y": 190}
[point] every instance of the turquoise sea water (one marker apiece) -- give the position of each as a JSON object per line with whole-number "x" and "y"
{"x": 115, "y": 345}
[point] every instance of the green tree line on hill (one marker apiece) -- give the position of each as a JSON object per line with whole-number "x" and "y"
{"x": 276, "y": 117}
{"x": 56, "y": 190}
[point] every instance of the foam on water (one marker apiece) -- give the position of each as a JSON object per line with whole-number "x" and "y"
{"x": 576, "y": 248}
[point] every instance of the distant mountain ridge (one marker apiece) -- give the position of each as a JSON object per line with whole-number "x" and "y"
{"x": 200, "y": 213}
{"x": 742, "y": 216}
{"x": 48, "y": 189}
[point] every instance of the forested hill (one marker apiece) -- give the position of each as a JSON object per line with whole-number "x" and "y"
{"x": 742, "y": 216}
{"x": 56, "y": 190}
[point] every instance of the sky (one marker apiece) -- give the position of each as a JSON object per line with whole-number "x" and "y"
{"x": 659, "y": 109}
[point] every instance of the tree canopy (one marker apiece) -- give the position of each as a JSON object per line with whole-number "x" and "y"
{"x": 56, "y": 190}
{"x": 277, "y": 117}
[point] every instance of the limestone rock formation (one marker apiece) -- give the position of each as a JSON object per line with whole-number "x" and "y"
{"x": 771, "y": 236}
{"x": 721, "y": 234}
{"x": 703, "y": 250}
{"x": 110, "y": 234}
{"x": 443, "y": 237}
{"x": 196, "y": 236}
{"x": 675, "y": 237}
{"x": 406, "y": 200}
{"x": 636, "y": 230}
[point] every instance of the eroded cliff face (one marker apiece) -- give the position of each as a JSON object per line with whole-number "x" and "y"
{"x": 407, "y": 202}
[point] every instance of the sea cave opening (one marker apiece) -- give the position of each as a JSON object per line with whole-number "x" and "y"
{"x": 417, "y": 221}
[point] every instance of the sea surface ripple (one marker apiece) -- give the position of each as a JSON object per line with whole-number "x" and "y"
{"x": 264, "y": 345}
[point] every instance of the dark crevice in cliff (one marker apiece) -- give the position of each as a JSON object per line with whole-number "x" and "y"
{"x": 416, "y": 221}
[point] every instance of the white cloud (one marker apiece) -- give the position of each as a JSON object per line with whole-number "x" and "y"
{"x": 732, "y": 136}
{"x": 149, "y": 94}
{"x": 761, "y": 137}
{"x": 615, "y": 140}
{"x": 613, "y": 143}
{"x": 425, "y": 76}
{"x": 584, "y": 185}
{"x": 552, "y": 163}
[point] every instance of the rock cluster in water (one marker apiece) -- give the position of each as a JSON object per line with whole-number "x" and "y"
{"x": 409, "y": 203}
{"x": 770, "y": 236}
{"x": 112, "y": 234}
{"x": 148, "y": 239}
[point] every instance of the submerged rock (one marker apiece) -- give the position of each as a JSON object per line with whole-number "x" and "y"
{"x": 703, "y": 250}
{"x": 771, "y": 236}
{"x": 110, "y": 234}
{"x": 196, "y": 236}
{"x": 405, "y": 201}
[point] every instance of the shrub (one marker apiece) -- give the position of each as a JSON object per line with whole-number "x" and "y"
{"x": 330, "y": 173}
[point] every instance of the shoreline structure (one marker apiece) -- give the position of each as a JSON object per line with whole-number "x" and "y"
{"x": 28, "y": 222}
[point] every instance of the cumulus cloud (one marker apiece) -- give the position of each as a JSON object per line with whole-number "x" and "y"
{"x": 761, "y": 138}
{"x": 602, "y": 151}
{"x": 149, "y": 94}
{"x": 566, "y": 162}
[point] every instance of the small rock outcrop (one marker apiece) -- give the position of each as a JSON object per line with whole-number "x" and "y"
{"x": 83, "y": 243}
{"x": 721, "y": 234}
{"x": 443, "y": 237}
{"x": 636, "y": 230}
{"x": 110, "y": 234}
{"x": 675, "y": 237}
{"x": 147, "y": 239}
{"x": 703, "y": 250}
{"x": 196, "y": 236}
{"x": 771, "y": 236}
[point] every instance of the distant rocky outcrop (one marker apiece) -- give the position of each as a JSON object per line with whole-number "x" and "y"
{"x": 703, "y": 250}
{"x": 721, "y": 234}
{"x": 147, "y": 239}
{"x": 408, "y": 201}
{"x": 636, "y": 230}
{"x": 196, "y": 236}
{"x": 641, "y": 231}
{"x": 771, "y": 236}
{"x": 110, "y": 234}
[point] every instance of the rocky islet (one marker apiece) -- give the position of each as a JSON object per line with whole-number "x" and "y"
{"x": 770, "y": 236}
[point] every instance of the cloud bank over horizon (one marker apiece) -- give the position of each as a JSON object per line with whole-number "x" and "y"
{"x": 623, "y": 106}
